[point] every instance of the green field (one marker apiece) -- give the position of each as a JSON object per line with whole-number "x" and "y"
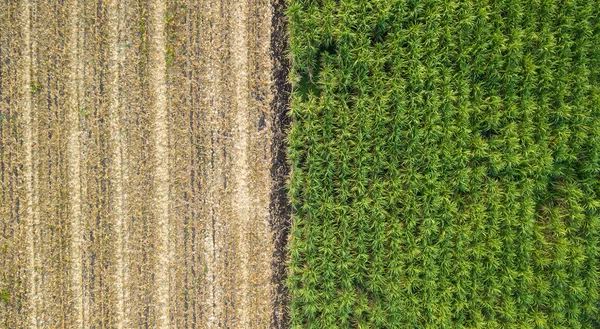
{"x": 445, "y": 164}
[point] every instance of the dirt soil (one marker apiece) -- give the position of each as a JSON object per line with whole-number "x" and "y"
{"x": 142, "y": 164}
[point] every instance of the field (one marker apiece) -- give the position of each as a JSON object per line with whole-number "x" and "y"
{"x": 445, "y": 159}
{"x": 312, "y": 164}
{"x": 142, "y": 164}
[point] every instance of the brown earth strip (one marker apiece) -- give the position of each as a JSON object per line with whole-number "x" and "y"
{"x": 94, "y": 116}
{"x": 214, "y": 126}
{"x": 74, "y": 169}
{"x": 161, "y": 179}
{"x": 120, "y": 305}
{"x": 242, "y": 199}
{"x": 260, "y": 138}
{"x": 17, "y": 181}
{"x": 280, "y": 209}
{"x": 29, "y": 213}
{"x": 50, "y": 68}
{"x": 14, "y": 239}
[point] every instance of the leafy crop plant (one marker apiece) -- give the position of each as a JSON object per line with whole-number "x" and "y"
{"x": 445, "y": 164}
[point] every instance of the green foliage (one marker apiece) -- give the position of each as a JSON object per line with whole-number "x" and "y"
{"x": 36, "y": 88}
{"x": 4, "y": 296}
{"x": 445, "y": 161}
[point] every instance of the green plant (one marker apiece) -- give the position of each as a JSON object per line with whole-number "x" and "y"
{"x": 445, "y": 160}
{"x": 4, "y": 296}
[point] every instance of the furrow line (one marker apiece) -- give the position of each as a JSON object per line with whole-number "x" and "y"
{"x": 159, "y": 90}
{"x": 242, "y": 199}
{"x": 74, "y": 164}
{"x": 279, "y": 207}
{"x": 211, "y": 253}
{"x": 116, "y": 172}
{"x": 30, "y": 217}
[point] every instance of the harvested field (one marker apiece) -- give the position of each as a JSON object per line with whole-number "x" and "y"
{"x": 142, "y": 164}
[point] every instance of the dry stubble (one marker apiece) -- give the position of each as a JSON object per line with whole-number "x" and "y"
{"x": 146, "y": 164}
{"x": 29, "y": 213}
{"x": 74, "y": 161}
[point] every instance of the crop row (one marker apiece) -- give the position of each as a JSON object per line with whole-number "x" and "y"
{"x": 445, "y": 160}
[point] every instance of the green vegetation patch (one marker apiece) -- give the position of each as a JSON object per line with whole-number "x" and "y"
{"x": 445, "y": 164}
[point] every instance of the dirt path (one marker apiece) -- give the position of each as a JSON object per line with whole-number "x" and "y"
{"x": 74, "y": 161}
{"x": 146, "y": 176}
{"x": 29, "y": 213}
{"x": 161, "y": 179}
{"x": 242, "y": 200}
{"x": 116, "y": 171}
{"x": 213, "y": 306}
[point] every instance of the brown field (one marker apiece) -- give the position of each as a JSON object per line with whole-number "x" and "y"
{"x": 142, "y": 164}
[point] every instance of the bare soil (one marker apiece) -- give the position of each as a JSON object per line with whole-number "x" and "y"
{"x": 142, "y": 164}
